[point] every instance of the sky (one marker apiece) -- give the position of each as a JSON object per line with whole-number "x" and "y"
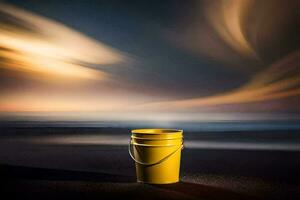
{"x": 165, "y": 60}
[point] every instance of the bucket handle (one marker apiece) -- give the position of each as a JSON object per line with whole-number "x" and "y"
{"x": 155, "y": 163}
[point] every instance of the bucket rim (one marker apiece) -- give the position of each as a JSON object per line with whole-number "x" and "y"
{"x": 157, "y": 139}
{"x": 156, "y": 131}
{"x": 156, "y": 145}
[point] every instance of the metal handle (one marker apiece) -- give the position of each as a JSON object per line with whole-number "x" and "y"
{"x": 155, "y": 163}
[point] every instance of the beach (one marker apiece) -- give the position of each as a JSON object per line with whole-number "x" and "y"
{"x": 71, "y": 162}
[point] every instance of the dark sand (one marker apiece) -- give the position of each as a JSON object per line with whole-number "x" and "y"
{"x": 31, "y": 170}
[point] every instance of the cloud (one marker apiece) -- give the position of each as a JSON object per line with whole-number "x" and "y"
{"x": 226, "y": 17}
{"x": 247, "y": 33}
{"x": 280, "y": 80}
{"x": 40, "y": 46}
{"x": 256, "y": 37}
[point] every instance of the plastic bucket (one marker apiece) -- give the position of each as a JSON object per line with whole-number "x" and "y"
{"x": 156, "y": 153}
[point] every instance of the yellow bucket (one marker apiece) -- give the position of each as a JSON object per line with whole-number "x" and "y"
{"x": 156, "y": 153}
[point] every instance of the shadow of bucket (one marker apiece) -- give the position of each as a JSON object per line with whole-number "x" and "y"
{"x": 156, "y": 153}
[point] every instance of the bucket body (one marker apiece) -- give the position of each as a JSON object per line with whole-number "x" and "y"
{"x": 157, "y": 155}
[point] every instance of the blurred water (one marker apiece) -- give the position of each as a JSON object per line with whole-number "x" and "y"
{"x": 248, "y": 135}
{"x": 214, "y": 126}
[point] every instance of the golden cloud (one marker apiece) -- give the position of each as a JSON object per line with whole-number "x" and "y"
{"x": 37, "y": 45}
